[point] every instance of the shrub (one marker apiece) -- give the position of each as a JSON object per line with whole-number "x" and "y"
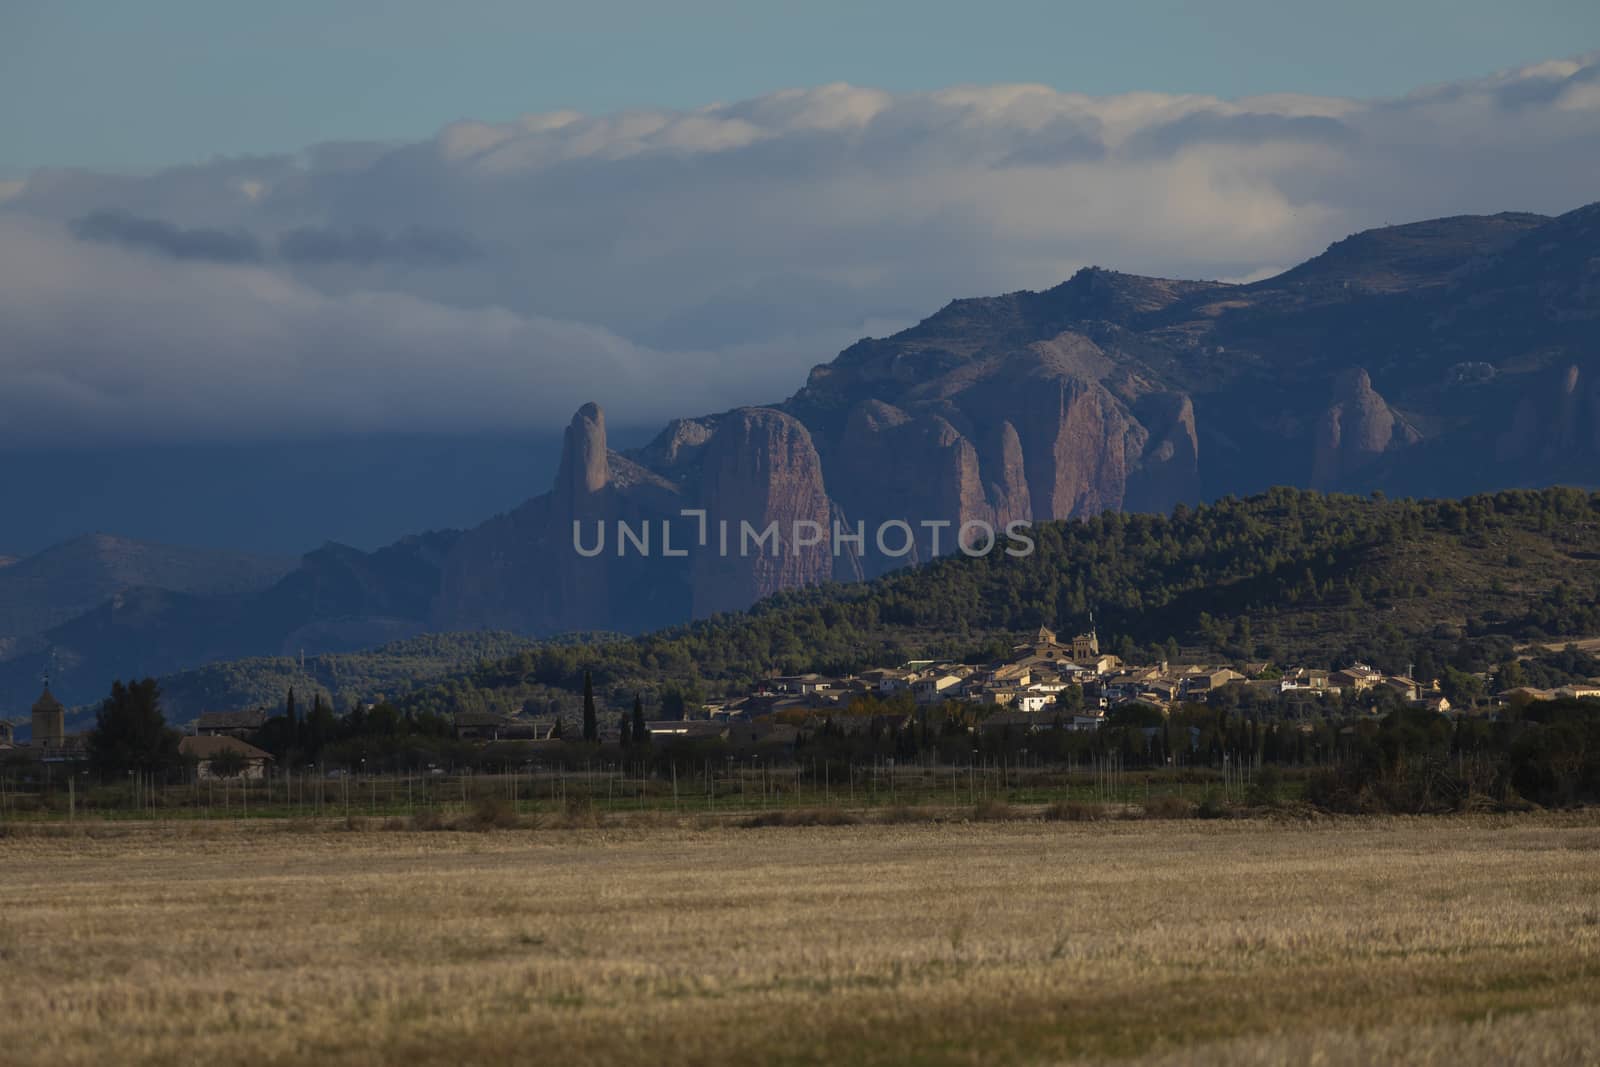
{"x": 902, "y": 813}
{"x": 1075, "y": 811}
{"x": 1266, "y": 790}
{"x": 490, "y": 813}
{"x": 1169, "y": 807}
{"x": 1212, "y": 806}
{"x": 993, "y": 811}
{"x": 801, "y": 817}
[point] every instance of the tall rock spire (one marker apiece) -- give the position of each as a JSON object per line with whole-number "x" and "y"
{"x": 584, "y": 470}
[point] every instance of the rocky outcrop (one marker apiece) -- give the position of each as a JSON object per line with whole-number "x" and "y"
{"x": 760, "y": 470}
{"x": 584, "y": 470}
{"x": 1355, "y": 430}
{"x": 1076, "y": 439}
{"x": 1106, "y": 391}
{"x": 1169, "y": 467}
{"x": 891, "y": 466}
{"x": 1555, "y": 422}
{"x": 523, "y": 571}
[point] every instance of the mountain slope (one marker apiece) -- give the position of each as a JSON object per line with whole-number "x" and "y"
{"x": 338, "y": 599}
{"x": 60, "y": 583}
{"x": 1289, "y": 576}
{"x": 1438, "y": 358}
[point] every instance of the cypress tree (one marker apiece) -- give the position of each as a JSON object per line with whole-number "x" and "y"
{"x": 591, "y": 728}
{"x": 291, "y": 731}
{"x": 641, "y": 733}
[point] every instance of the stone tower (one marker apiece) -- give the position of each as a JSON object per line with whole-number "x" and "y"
{"x": 49, "y": 721}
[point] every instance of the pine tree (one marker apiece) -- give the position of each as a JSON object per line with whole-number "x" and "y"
{"x": 317, "y": 730}
{"x": 641, "y": 732}
{"x": 591, "y": 728}
{"x": 130, "y": 732}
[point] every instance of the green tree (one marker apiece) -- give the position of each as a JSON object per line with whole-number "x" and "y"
{"x": 1463, "y": 689}
{"x": 292, "y": 722}
{"x": 591, "y": 727}
{"x": 641, "y": 732}
{"x": 229, "y": 763}
{"x": 319, "y": 727}
{"x": 1510, "y": 676}
{"x": 130, "y": 732}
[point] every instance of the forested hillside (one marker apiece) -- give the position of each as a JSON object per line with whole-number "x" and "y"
{"x": 389, "y": 671}
{"x": 1288, "y": 576}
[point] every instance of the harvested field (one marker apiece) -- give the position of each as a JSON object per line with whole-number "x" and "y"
{"x": 1448, "y": 940}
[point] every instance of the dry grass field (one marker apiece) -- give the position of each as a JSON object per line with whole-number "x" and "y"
{"x": 1446, "y": 941}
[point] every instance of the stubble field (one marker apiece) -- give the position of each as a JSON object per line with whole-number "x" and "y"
{"x": 1448, "y": 941}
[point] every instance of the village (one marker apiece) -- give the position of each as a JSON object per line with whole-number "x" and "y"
{"x": 1046, "y": 683}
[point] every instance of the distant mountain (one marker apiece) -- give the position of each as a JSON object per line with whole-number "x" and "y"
{"x": 61, "y": 583}
{"x": 1438, "y": 358}
{"x": 338, "y": 599}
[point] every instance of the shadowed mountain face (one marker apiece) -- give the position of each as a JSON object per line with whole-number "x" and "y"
{"x": 1437, "y": 358}
{"x": 61, "y": 583}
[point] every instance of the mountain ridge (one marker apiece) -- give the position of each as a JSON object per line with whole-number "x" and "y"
{"x": 1437, "y": 358}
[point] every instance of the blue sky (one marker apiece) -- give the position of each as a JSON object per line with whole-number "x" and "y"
{"x": 133, "y": 86}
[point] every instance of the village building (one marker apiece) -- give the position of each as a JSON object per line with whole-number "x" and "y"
{"x": 687, "y": 729}
{"x": 931, "y": 688}
{"x": 1303, "y": 678}
{"x": 491, "y": 726}
{"x": 49, "y": 721}
{"x": 1408, "y": 689}
{"x": 1035, "y": 701}
{"x": 1358, "y": 677}
{"x": 240, "y": 724}
{"x": 1433, "y": 702}
{"x": 1199, "y": 682}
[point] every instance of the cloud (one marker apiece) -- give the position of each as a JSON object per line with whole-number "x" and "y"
{"x": 366, "y": 245}
{"x": 361, "y": 245}
{"x": 119, "y": 227}
{"x": 674, "y": 261}
{"x": 109, "y": 344}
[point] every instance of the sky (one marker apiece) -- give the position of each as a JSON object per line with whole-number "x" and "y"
{"x": 235, "y": 225}
{"x": 119, "y": 85}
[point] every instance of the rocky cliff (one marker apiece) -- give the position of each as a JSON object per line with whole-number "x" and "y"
{"x": 1355, "y": 432}
{"x": 1109, "y": 391}
{"x": 1433, "y": 359}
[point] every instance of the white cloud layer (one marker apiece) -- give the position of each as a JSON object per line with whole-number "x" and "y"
{"x": 666, "y": 263}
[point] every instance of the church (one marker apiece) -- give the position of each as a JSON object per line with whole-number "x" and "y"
{"x": 1081, "y": 649}
{"x": 49, "y": 721}
{"x": 49, "y": 730}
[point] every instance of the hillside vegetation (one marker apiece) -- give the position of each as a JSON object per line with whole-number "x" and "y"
{"x": 387, "y": 671}
{"x": 1287, "y": 576}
